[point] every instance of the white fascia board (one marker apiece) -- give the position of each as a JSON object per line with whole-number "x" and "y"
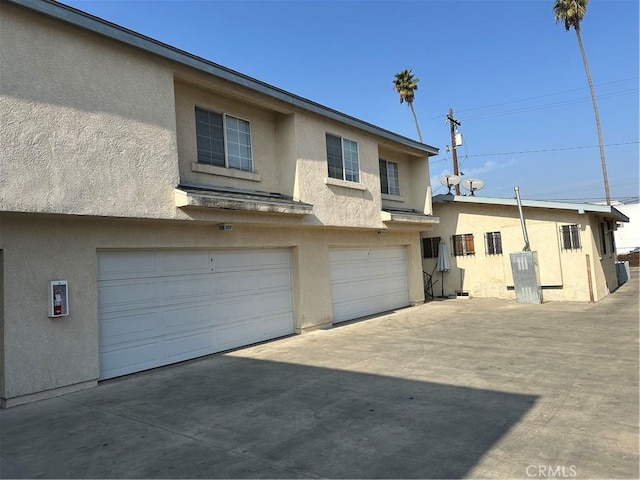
{"x": 581, "y": 208}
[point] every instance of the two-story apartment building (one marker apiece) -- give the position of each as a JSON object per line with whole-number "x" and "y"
{"x": 156, "y": 207}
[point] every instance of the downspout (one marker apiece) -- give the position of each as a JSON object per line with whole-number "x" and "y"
{"x": 526, "y": 247}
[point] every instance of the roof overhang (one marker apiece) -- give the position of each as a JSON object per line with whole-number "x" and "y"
{"x": 407, "y": 217}
{"x": 115, "y": 32}
{"x": 581, "y": 208}
{"x": 223, "y": 198}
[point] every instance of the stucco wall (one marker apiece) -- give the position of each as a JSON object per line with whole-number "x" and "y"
{"x": 263, "y": 139}
{"x": 88, "y": 125}
{"x": 563, "y": 273}
{"x": 44, "y": 354}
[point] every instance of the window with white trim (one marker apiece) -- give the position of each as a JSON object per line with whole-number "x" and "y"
{"x": 342, "y": 158}
{"x": 463, "y": 245}
{"x": 570, "y": 235}
{"x": 430, "y": 247}
{"x": 389, "y": 182}
{"x": 493, "y": 243}
{"x": 223, "y": 140}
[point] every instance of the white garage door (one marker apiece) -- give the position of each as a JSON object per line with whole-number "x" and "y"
{"x": 365, "y": 281}
{"x": 162, "y": 307}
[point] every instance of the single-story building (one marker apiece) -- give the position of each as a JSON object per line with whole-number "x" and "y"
{"x": 575, "y": 246}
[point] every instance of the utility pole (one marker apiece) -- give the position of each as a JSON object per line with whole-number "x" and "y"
{"x": 454, "y": 123}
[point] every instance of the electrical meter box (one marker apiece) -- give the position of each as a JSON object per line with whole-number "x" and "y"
{"x": 58, "y": 298}
{"x": 526, "y": 277}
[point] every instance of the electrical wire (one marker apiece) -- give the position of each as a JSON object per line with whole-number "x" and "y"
{"x": 551, "y": 149}
{"x": 538, "y": 96}
{"x": 546, "y": 106}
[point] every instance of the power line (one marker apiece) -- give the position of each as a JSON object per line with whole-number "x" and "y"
{"x": 548, "y": 105}
{"x": 539, "y": 96}
{"x": 551, "y": 149}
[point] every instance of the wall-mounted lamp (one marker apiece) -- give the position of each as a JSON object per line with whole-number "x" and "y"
{"x": 225, "y": 227}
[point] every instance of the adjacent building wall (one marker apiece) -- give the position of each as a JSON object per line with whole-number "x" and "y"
{"x": 564, "y": 274}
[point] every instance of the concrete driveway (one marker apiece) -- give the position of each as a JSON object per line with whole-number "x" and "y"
{"x": 450, "y": 389}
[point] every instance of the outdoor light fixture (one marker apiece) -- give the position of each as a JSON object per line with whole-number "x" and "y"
{"x": 225, "y": 227}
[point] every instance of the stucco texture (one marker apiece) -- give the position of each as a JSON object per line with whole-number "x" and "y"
{"x": 80, "y": 117}
{"x": 46, "y": 354}
{"x": 565, "y": 275}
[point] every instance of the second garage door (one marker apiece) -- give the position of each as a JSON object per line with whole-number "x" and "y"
{"x": 365, "y": 281}
{"x": 162, "y": 307}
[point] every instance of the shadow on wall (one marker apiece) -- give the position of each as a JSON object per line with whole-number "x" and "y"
{"x": 222, "y": 416}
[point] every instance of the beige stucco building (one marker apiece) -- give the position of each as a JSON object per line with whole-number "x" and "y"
{"x": 574, "y": 243}
{"x": 156, "y": 207}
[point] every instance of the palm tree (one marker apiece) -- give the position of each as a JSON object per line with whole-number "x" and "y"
{"x": 406, "y": 84}
{"x": 571, "y": 13}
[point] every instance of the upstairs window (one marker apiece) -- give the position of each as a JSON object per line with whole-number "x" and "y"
{"x": 493, "y": 243}
{"x": 342, "y": 158}
{"x": 430, "y": 247}
{"x": 463, "y": 245}
{"x": 389, "y": 182}
{"x": 223, "y": 140}
{"x": 570, "y": 237}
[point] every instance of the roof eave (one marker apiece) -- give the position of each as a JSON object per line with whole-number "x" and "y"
{"x": 116, "y": 32}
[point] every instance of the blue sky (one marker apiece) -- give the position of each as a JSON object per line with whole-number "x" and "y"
{"x": 513, "y": 77}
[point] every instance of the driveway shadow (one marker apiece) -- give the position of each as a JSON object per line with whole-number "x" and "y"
{"x": 232, "y": 417}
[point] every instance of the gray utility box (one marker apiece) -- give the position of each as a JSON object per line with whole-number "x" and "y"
{"x": 526, "y": 277}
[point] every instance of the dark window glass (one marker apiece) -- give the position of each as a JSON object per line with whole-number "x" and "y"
{"x": 430, "y": 247}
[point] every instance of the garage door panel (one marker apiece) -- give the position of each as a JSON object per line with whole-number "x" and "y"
{"x": 233, "y": 261}
{"x": 188, "y": 288}
{"x": 183, "y": 263}
{"x": 183, "y": 347}
{"x": 113, "y": 296}
{"x": 271, "y": 259}
{"x": 230, "y": 311}
{"x": 121, "y": 265}
{"x": 278, "y": 278}
{"x": 272, "y": 326}
{"x": 138, "y": 326}
{"x": 273, "y": 303}
{"x": 130, "y": 357}
{"x": 185, "y": 318}
{"x": 365, "y": 281}
{"x": 236, "y": 335}
{"x": 234, "y": 284}
{"x": 180, "y": 309}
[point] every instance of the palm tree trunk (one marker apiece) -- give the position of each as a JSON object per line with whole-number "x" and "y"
{"x": 415, "y": 119}
{"x": 597, "y": 115}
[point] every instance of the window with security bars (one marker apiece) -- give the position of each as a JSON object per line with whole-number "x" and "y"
{"x": 223, "y": 140}
{"x": 342, "y": 158}
{"x": 463, "y": 245}
{"x": 493, "y": 243}
{"x": 570, "y": 235}
{"x": 389, "y": 182}
{"x": 430, "y": 247}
